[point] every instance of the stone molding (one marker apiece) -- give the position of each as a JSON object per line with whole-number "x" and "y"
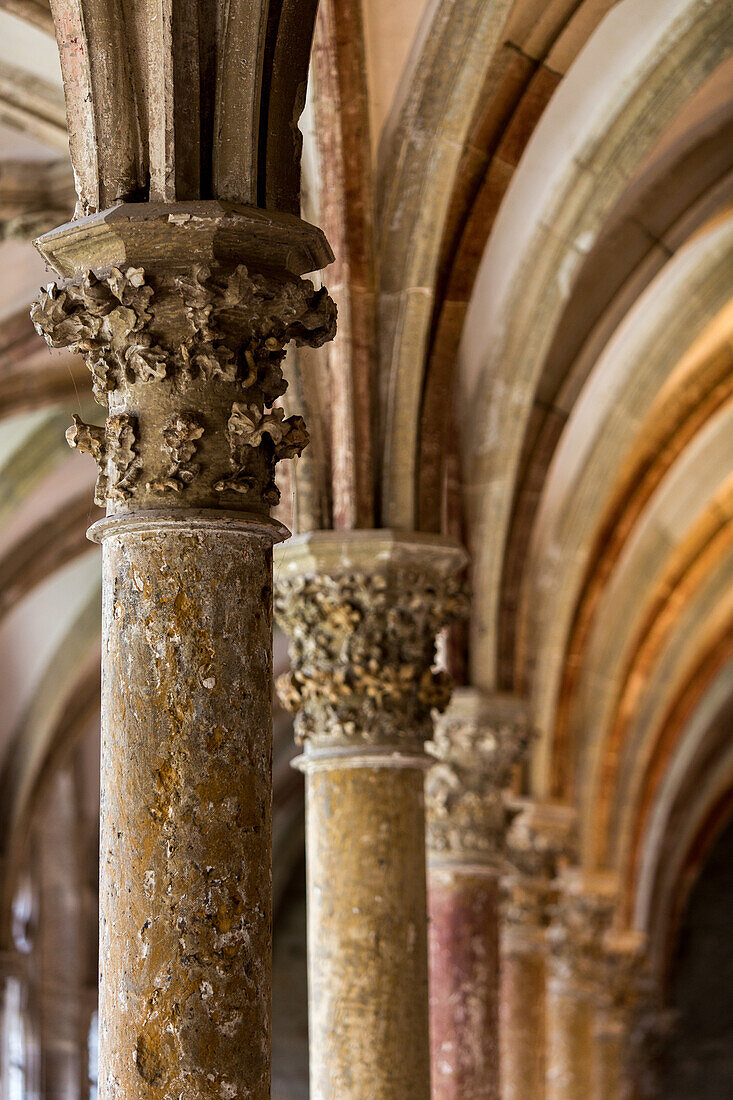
{"x": 362, "y": 612}
{"x": 185, "y": 347}
{"x": 476, "y": 745}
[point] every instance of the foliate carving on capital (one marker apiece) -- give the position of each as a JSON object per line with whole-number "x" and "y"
{"x": 541, "y": 838}
{"x": 184, "y": 333}
{"x": 465, "y": 789}
{"x": 525, "y": 906}
{"x": 246, "y": 427}
{"x": 237, "y": 326}
{"x": 362, "y": 648}
{"x": 180, "y": 440}
{"x": 113, "y": 448}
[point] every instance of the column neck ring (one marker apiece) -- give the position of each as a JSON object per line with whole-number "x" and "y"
{"x": 340, "y": 757}
{"x": 183, "y": 519}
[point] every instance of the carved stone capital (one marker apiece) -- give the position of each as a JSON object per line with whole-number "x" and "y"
{"x": 362, "y": 611}
{"x": 581, "y": 921}
{"x": 541, "y": 838}
{"x": 476, "y": 744}
{"x": 183, "y": 314}
{"x": 539, "y": 841}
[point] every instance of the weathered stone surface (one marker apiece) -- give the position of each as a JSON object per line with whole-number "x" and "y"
{"x": 538, "y": 843}
{"x": 185, "y": 895}
{"x": 582, "y": 915}
{"x": 522, "y": 1028}
{"x": 576, "y": 973}
{"x": 182, "y": 313}
{"x": 367, "y": 934}
{"x": 464, "y": 988}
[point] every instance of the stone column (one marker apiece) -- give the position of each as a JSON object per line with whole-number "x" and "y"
{"x": 616, "y": 1016}
{"x": 183, "y": 312}
{"x": 362, "y": 611}
{"x": 476, "y": 744}
{"x": 576, "y": 969}
{"x": 537, "y": 840}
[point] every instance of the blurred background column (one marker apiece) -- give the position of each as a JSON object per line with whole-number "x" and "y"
{"x": 476, "y": 745}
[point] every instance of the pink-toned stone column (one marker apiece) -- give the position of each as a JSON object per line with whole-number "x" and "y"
{"x": 363, "y": 610}
{"x": 539, "y": 836}
{"x": 476, "y": 744}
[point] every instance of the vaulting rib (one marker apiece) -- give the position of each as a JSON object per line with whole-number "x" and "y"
{"x": 290, "y": 34}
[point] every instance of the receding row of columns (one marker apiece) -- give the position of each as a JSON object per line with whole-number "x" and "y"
{"x": 521, "y": 947}
{"x": 494, "y": 944}
{"x": 183, "y": 312}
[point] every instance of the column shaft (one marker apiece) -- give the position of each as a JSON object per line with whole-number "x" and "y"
{"x": 366, "y": 930}
{"x": 578, "y": 979}
{"x": 185, "y": 891}
{"x": 464, "y": 969}
{"x": 569, "y": 1044}
{"x": 522, "y": 1024}
{"x": 610, "y": 1079}
{"x": 538, "y": 839}
{"x": 626, "y": 985}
